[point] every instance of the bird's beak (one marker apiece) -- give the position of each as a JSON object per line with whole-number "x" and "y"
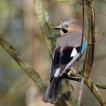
{"x": 57, "y": 27}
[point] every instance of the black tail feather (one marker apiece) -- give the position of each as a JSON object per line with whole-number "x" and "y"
{"x": 45, "y": 96}
{"x": 51, "y": 94}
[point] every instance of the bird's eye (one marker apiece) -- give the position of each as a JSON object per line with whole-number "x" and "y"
{"x": 66, "y": 26}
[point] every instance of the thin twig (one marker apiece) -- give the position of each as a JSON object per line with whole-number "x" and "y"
{"x": 100, "y": 85}
{"x": 98, "y": 35}
{"x": 82, "y": 80}
{"x": 80, "y": 92}
{"x": 83, "y": 17}
{"x": 65, "y": 0}
{"x": 98, "y": 10}
{"x": 76, "y": 78}
{"x": 80, "y": 2}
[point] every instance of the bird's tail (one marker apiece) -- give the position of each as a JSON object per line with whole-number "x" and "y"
{"x": 51, "y": 93}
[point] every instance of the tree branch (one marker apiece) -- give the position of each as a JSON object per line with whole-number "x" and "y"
{"x": 95, "y": 91}
{"x": 90, "y": 54}
{"x": 99, "y": 85}
{"x": 26, "y": 67}
{"x": 23, "y": 63}
{"x": 44, "y": 23}
{"x": 82, "y": 80}
{"x": 98, "y": 35}
{"x": 65, "y": 0}
{"x": 75, "y": 78}
{"x": 45, "y": 28}
{"x": 37, "y": 79}
{"x": 91, "y": 40}
{"x": 43, "y": 20}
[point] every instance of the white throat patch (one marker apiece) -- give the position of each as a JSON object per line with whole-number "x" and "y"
{"x": 61, "y": 32}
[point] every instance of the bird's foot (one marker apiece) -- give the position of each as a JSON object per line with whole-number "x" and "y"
{"x": 72, "y": 72}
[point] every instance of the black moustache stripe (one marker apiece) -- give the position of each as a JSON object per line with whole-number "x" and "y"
{"x": 64, "y": 30}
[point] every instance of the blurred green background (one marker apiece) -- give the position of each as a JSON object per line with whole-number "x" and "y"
{"x": 19, "y": 25}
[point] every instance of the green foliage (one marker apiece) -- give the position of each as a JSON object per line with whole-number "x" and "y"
{"x": 13, "y": 81}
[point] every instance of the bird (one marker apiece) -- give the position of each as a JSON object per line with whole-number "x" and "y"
{"x": 67, "y": 50}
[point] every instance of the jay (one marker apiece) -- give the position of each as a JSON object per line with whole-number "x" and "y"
{"x": 67, "y": 51}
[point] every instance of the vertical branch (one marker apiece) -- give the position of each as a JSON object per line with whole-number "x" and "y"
{"x": 90, "y": 54}
{"x": 91, "y": 39}
{"x": 83, "y": 17}
{"x": 46, "y": 30}
{"x": 82, "y": 80}
{"x": 43, "y": 20}
{"x": 80, "y": 92}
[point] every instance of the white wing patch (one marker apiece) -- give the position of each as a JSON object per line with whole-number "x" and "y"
{"x": 53, "y": 56}
{"x": 74, "y": 52}
{"x": 57, "y": 72}
{"x": 70, "y": 63}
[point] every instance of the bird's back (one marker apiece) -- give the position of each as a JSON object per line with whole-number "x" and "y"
{"x": 70, "y": 39}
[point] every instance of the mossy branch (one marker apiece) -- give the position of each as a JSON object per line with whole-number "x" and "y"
{"x": 90, "y": 54}
{"x": 44, "y": 23}
{"x": 91, "y": 40}
{"x": 75, "y": 78}
{"x": 23, "y": 63}
{"x": 95, "y": 91}
{"x": 93, "y": 88}
{"x": 46, "y": 31}
{"x": 37, "y": 79}
{"x": 45, "y": 28}
{"x": 26, "y": 67}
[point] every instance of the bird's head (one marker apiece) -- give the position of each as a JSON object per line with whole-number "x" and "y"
{"x": 69, "y": 25}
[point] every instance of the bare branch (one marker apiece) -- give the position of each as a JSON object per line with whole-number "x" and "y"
{"x": 43, "y": 19}
{"x": 75, "y": 78}
{"x": 98, "y": 35}
{"x": 99, "y": 85}
{"x": 65, "y": 0}
{"x": 82, "y": 80}
{"x": 37, "y": 79}
{"x": 91, "y": 40}
{"x": 26, "y": 66}
{"x": 23, "y": 63}
{"x": 45, "y": 28}
{"x": 95, "y": 91}
{"x": 80, "y": 92}
{"x": 98, "y": 10}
